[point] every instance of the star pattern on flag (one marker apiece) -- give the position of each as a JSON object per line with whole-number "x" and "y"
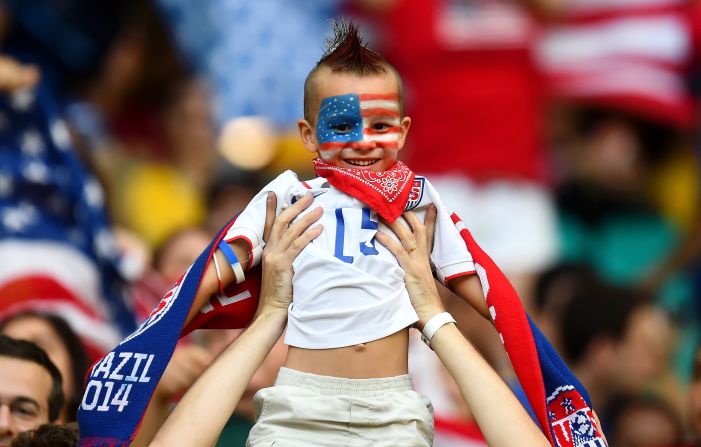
{"x": 32, "y": 143}
{"x": 36, "y": 171}
{"x": 60, "y": 134}
{"x": 22, "y": 100}
{"x": 47, "y": 194}
{"x": 6, "y": 184}
{"x": 340, "y": 109}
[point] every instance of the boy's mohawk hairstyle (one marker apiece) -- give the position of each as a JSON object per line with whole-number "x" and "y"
{"x": 346, "y": 52}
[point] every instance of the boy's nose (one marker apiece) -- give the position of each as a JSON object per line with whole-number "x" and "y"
{"x": 363, "y": 144}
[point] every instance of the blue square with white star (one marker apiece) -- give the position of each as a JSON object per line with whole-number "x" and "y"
{"x": 336, "y": 111}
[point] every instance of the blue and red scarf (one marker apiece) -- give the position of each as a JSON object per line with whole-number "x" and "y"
{"x": 121, "y": 384}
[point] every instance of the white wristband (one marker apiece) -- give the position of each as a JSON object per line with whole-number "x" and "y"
{"x": 238, "y": 273}
{"x": 436, "y": 322}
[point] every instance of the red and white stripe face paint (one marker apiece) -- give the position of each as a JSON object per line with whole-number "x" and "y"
{"x": 360, "y": 131}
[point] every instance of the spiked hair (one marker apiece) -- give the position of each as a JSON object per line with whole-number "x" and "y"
{"x": 346, "y": 52}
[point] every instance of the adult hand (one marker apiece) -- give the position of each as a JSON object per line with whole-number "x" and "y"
{"x": 413, "y": 256}
{"x": 283, "y": 242}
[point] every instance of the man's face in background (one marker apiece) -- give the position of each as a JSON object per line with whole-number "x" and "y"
{"x": 25, "y": 387}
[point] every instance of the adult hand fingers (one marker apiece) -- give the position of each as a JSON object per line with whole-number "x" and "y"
{"x": 305, "y": 238}
{"x": 294, "y": 231}
{"x": 393, "y": 246}
{"x": 282, "y": 221}
{"x": 271, "y": 206}
{"x": 418, "y": 231}
{"x": 423, "y": 232}
{"x": 430, "y": 225}
{"x": 404, "y": 233}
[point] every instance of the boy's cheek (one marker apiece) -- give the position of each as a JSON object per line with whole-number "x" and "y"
{"x": 328, "y": 155}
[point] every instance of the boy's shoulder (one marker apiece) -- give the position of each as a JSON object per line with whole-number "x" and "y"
{"x": 422, "y": 193}
{"x": 290, "y": 177}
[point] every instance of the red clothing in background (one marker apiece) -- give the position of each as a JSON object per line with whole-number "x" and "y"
{"x": 633, "y": 55}
{"x": 471, "y": 87}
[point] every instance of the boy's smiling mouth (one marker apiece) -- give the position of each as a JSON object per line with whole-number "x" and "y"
{"x": 361, "y": 162}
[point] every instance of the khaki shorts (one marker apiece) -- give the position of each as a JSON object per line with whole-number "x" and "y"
{"x": 308, "y": 410}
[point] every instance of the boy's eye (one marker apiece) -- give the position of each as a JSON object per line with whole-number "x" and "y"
{"x": 341, "y": 128}
{"x": 380, "y": 127}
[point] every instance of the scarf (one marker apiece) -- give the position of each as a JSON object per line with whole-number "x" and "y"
{"x": 386, "y": 192}
{"x": 120, "y": 385}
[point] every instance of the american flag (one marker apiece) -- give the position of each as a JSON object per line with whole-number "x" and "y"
{"x": 627, "y": 54}
{"x": 359, "y": 112}
{"x": 57, "y": 252}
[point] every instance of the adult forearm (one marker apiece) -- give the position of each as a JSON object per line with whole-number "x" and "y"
{"x": 489, "y": 398}
{"x": 204, "y": 410}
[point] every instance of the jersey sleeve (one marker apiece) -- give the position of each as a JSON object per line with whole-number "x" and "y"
{"x": 250, "y": 223}
{"x": 450, "y": 255}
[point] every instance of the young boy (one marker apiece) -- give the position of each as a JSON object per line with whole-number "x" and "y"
{"x": 346, "y": 371}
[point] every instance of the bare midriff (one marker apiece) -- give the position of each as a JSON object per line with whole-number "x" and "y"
{"x": 386, "y": 357}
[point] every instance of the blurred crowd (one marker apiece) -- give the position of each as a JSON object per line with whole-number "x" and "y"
{"x": 565, "y": 133}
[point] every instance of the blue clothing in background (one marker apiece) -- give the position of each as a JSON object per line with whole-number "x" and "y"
{"x": 255, "y": 55}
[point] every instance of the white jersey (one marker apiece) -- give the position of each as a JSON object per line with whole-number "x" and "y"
{"x": 348, "y": 289}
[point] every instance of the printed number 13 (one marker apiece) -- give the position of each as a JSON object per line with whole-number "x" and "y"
{"x": 366, "y": 247}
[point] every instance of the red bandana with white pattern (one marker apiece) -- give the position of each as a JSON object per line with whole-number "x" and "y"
{"x": 386, "y": 192}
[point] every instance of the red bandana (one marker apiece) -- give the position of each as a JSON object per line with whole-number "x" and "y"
{"x": 385, "y": 191}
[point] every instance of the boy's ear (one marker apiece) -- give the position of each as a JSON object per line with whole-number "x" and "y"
{"x": 404, "y": 126}
{"x": 308, "y": 135}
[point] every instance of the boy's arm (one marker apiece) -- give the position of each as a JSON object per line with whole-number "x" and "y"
{"x": 245, "y": 238}
{"x": 210, "y": 284}
{"x": 469, "y": 288}
{"x": 454, "y": 266}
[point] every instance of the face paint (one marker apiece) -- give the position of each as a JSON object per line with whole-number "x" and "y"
{"x": 359, "y": 122}
{"x": 350, "y": 118}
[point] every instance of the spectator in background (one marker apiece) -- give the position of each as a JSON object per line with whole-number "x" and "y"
{"x": 30, "y": 388}
{"x": 231, "y": 190}
{"x": 646, "y": 422}
{"x": 615, "y": 344}
{"x": 554, "y": 289}
{"x": 48, "y": 435}
{"x": 52, "y": 334}
{"x": 607, "y": 216}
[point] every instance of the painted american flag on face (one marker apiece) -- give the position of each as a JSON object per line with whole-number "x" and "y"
{"x": 347, "y": 120}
